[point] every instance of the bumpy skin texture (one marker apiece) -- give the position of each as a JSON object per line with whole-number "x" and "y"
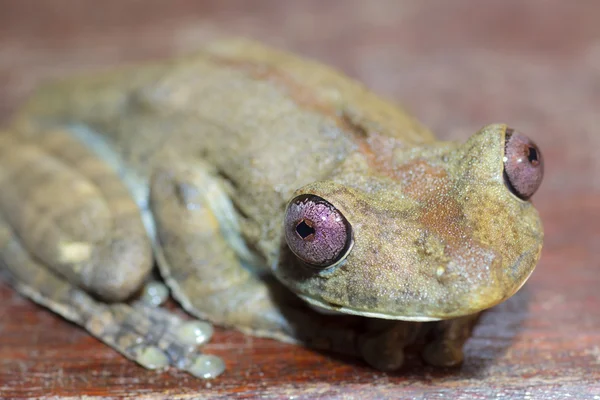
{"x": 218, "y": 143}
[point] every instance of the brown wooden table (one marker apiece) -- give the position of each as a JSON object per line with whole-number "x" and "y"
{"x": 455, "y": 64}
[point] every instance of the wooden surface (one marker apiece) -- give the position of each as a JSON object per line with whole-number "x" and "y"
{"x": 455, "y": 64}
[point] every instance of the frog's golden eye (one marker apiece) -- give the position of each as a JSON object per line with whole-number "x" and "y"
{"x": 316, "y": 232}
{"x": 523, "y": 165}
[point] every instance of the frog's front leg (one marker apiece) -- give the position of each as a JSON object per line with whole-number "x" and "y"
{"x": 203, "y": 259}
{"x": 447, "y": 338}
{"x": 68, "y": 226}
{"x": 196, "y": 233}
{"x": 383, "y": 346}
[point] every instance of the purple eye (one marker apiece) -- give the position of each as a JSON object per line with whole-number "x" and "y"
{"x": 316, "y": 232}
{"x": 523, "y": 165}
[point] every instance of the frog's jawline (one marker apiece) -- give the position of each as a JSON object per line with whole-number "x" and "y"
{"x": 325, "y": 308}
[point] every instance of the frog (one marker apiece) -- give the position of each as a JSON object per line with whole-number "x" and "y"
{"x": 265, "y": 193}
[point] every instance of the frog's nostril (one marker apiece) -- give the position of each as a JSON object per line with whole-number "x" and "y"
{"x": 305, "y": 229}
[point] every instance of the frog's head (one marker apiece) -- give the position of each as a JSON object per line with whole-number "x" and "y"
{"x": 429, "y": 233}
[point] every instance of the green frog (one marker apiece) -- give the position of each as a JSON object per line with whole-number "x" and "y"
{"x": 275, "y": 196}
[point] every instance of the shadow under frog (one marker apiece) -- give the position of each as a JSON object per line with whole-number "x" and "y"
{"x": 272, "y": 193}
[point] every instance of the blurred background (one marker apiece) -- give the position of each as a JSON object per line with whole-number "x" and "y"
{"x": 456, "y": 65}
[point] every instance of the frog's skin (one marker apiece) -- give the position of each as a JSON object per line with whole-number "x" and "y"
{"x": 193, "y": 162}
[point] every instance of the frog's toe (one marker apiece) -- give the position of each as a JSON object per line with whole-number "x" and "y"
{"x": 377, "y": 354}
{"x": 154, "y": 293}
{"x": 195, "y": 332}
{"x": 449, "y": 336}
{"x": 384, "y": 348}
{"x": 443, "y": 353}
{"x": 204, "y": 366}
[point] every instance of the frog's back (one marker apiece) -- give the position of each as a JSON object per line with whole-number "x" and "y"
{"x": 317, "y": 87}
{"x": 238, "y": 104}
{"x": 266, "y": 119}
{"x": 228, "y": 66}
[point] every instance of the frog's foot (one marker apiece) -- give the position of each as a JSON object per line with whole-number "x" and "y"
{"x": 154, "y": 337}
{"x": 150, "y": 336}
{"x": 449, "y": 336}
{"x": 157, "y": 338}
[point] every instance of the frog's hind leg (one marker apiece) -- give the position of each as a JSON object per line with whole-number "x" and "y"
{"x": 147, "y": 336}
{"x": 67, "y": 224}
{"x": 72, "y": 212}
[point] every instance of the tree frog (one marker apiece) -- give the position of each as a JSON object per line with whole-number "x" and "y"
{"x": 275, "y": 196}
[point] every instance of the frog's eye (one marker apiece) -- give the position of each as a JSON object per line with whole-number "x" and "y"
{"x": 316, "y": 232}
{"x": 523, "y": 165}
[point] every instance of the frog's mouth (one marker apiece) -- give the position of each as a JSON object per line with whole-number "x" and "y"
{"x": 332, "y": 309}
{"x": 329, "y": 308}
{"x": 311, "y": 287}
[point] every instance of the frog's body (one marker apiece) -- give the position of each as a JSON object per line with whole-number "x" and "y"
{"x": 205, "y": 152}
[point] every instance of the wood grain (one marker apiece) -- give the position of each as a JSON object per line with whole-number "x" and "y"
{"x": 456, "y": 65}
